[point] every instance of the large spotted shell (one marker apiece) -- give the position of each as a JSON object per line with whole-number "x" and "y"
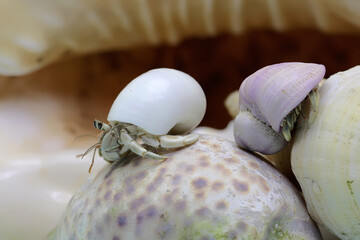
{"x": 209, "y": 190}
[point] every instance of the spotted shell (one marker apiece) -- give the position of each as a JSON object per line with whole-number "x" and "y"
{"x": 209, "y": 190}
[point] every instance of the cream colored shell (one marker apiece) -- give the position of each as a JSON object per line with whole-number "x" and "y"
{"x": 38, "y": 32}
{"x": 161, "y": 101}
{"x": 326, "y": 156}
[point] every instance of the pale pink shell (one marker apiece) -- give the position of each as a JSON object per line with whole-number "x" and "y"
{"x": 274, "y": 91}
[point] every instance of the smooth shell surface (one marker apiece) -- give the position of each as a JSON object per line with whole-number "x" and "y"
{"x": 38, "y": 32}
{"x": 210, "y": 190}
{"x": 326, "y": 156}
{"x": 272, "y": 92}
{"x": 161, "y": 101}
{"x": 254, "y": 135}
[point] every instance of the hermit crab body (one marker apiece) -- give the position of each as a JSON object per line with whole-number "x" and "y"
{"x": 157, "y": 103}
{"x": 270, "y": 101}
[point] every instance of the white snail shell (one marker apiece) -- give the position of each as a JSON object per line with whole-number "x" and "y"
{"x": 161, "y": 101}
{"x": 325, "y": 156}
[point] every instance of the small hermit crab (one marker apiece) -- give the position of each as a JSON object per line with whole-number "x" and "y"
{"x": 270, "y": 101}
{"x": 157, "y": 103}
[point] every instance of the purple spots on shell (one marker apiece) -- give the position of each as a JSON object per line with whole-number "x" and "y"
{"x": 203, "y": 212}
{"x": 179, "y": 198}
{"x": 137, "y": 202}
{"x": 176, "y": 180}
{"x": 217, "y": 186}
{"x": 151, "y": 211}
{"x": 199, "y": 183}
{"x": 130, "y": 189}
{"x": 189, "y": 168}
{"x": 121, "y": 220}
{"x": 109, "y": 182}
{"x": 231, "y": 160}
{"x": 136, "y": 162}
{"x": 100, "y": 189}
{"x": 107, "y": 195}
{"x": 222, "y": 169}
{"x": 141, "y": 175}
{"x": 241, "y": 226}
{"x": 117, "y": 197}
{"x": 200, "y": 195}
{"x": 180, "y": 205}
{"x": 240, "y": 186}
{"x": 97, "y": 202}
{"x": 204, "y": 161}
{"x": 139, "y": 218}
{"x": 221, "y": 205}
{"x": 157, "y": 181}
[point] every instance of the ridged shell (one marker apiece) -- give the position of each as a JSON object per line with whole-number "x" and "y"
{"x": 326, "y": 156}
{"x": 36, "y": 36}
{"x": 275, "y": 90}
{"x": 161, "y": 101}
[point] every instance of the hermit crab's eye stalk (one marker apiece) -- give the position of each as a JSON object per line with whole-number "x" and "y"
{"x": 273, "y": 96}
{"x": 101, "y": 126}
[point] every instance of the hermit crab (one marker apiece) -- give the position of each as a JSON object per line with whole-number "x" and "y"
{"x": 157, "y": 103}
{"x": 270, "y": 102}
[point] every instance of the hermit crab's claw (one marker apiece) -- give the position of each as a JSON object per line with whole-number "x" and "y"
{"x": 314, "y": 98}
{"x": 273, "y": 95}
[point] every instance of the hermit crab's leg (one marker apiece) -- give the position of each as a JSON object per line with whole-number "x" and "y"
{"x": 286, "y": 131}
{"x": 314, "y": 97}
{"x": 93, "y": 158}
{"x": 150, "y": 140}
{"x": 170, "y": 141}
{"x": 135, "y": 147}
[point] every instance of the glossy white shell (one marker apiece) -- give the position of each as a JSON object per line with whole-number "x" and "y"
{"x": 326, "y": 156}
{"x": 161, "y": 101}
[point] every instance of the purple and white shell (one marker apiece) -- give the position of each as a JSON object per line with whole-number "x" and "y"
{"x": 270, "y": 95}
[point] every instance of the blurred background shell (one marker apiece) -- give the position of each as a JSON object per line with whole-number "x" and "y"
{"x": 219, "y": 43}
{"x": 36, "y": 33}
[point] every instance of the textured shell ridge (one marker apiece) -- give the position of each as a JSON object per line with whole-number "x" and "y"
{"x": 275, "y": 90}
